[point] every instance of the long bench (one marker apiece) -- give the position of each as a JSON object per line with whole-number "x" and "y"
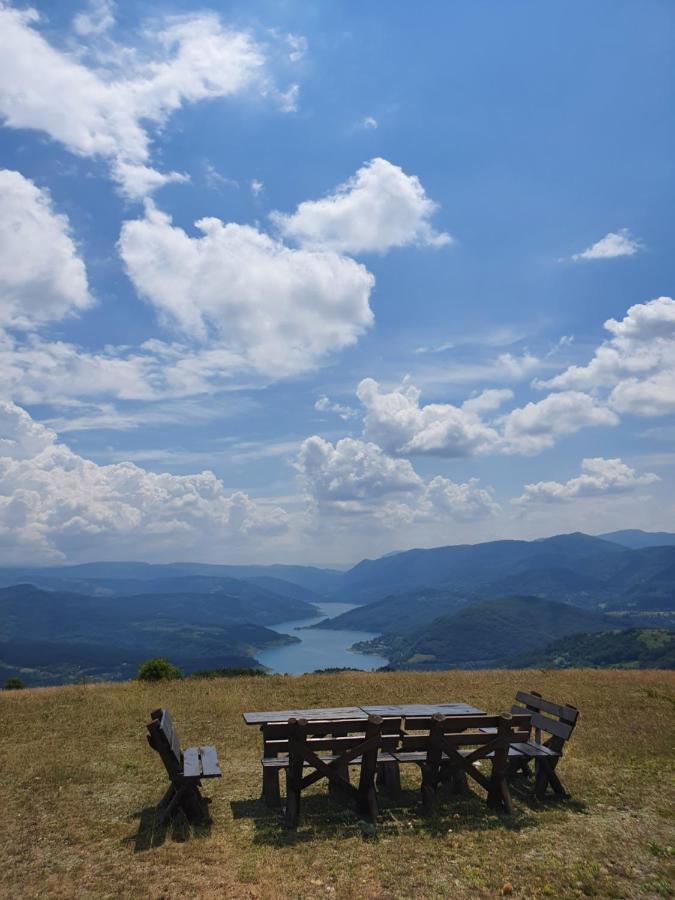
{"x": 445, "y": 748}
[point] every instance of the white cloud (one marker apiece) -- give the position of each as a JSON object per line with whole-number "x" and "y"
{"x": 464, "y": 502}
{"x": 353, "y": 479}
{"x": 42, "y": 276}
{"x": 599, "y": 477}
{"x": 537, "y": 426}
{"x": 380, "y": 207}
{"x": 273, "y": 309}
{"x": 297, "y": 44}
{"x": 637, "y": 363}
{"x": 55, "y": 504}
{"x": 487, "y": 401}
{"x": 104, "y": 111}
{"x": 96, "y": 19}
{"x": 396, "y": 421}
{"x": 368, "y": 123}
{"x": 324, "y": 404}
{"x": 352, "y": 470}
{"x": 256, "y": 187}
{"x": 616, "y": 243}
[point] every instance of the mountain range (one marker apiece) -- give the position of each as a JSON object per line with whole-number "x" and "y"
{"x": 434, "y": 607}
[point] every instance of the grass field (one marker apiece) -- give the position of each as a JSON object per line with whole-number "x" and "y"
{"x": 79, "y": 784}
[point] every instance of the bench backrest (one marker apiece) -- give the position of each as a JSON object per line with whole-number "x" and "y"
{"x": 465, "y": 731}
{"x": 555, "y": 720}
{"x": 163, "y": 738}
{"x": 330, "y": 737}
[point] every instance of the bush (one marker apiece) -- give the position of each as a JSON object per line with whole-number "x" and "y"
{"x": 14, "y": 684}
{"x": 158, "y": 669}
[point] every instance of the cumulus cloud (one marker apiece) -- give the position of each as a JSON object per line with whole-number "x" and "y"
{"x": 42, "y": 276}
{"x": 397, "y": 422}
{"x": 277, "y": 309}
{"x": 325, "y": 404}
{"x": 537, "y": 426}
{"x": 352, "y": 470}
{"x": 56, "y": 504}
{"x": 96, "y": 19}
{"x": 105, "y": 111}
{"x": 636, "y": 364}
{"x": 616, "y": 243}
{"x": 599, "y": 477}
{"x": 380, "y": 207}
{"x": 356, "y": 479}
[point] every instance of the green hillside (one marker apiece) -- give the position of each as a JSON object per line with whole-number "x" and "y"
{"x": 485, "y": 633}
{"x": 51, "y": 636}
{"x": 80, "y": 785}
{"x": 633, "y": 648}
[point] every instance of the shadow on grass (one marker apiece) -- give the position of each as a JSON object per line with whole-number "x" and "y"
{"x": 151, "y": 833}
{"x": 326, "y": 817}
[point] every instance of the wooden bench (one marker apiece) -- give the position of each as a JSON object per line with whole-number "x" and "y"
{"x": 448, "y": 749}
{"x": 556, "y": 721}
{"x": 185, "y": 768}
{"x": 552, "y": 725}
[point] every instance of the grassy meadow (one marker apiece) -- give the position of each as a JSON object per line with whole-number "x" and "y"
{"x": 80, "y": 783}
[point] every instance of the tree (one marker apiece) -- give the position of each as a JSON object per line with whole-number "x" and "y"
{"x": 14, "y": 684}
{"x": 158, "y": 669}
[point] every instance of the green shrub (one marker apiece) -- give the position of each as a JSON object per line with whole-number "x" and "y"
{"x": 14, "y": 684}
{"x": 158, "y": 669}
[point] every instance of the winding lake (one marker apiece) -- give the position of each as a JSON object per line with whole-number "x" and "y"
{"x": 319, "y": 648}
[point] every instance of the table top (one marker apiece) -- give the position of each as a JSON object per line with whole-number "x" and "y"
{"x": 423, "y": 709}
{"x": 362, "y": 712}
{"x": 283, "y": 715}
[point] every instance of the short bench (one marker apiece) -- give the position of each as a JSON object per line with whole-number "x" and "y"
{"x": 185, "y": 768}
{"x": 552, "y": 725}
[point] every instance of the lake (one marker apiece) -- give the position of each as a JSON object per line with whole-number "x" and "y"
{"x": 319, "y": 648}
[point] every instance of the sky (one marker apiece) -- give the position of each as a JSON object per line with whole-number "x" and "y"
{"x": 292, "y": 282}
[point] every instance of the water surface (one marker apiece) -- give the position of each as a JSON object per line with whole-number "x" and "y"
{"x": 319, "y": 648}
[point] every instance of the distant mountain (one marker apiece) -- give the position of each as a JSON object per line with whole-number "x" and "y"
{"x": 468, "y": 567}
{"x": 193, "y": 630}
{"x": 484, "y": 633}
{"x": 635, "y": 538}
{"x": 633, "y": 648}
{"x": 398, "y": 613}
{"x": 127, "y": 577}
{"x": 283, "y": 588}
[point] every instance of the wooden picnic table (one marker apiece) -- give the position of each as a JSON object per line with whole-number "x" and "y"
{"x": 270, "y": 722}
{"x": 361, "y": 712}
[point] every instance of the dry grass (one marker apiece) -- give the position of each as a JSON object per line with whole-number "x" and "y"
{"x": 79, "y": 784}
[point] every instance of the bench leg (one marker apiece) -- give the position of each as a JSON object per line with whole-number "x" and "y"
{"x": 335, "y": 788}
{"x": 545, "y": 775}
{"x": 460, "y": 784}
{"x": 270, "y": 787}
{"x": 291, "y": 812}
{"x": 389, "y": 778}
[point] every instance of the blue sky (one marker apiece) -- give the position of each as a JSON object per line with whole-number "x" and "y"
{"x": 428, "y": 299}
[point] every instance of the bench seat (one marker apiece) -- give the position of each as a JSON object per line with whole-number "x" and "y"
{"x": 200, "y": 762}
{"x": 414, "y": 756}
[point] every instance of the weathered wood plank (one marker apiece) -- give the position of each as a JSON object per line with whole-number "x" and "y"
{"x": 313, "y": 715}
{"x": 209, "y": 760}
{"x": 568, "y": 713}
{"x": 191, "y": 767}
